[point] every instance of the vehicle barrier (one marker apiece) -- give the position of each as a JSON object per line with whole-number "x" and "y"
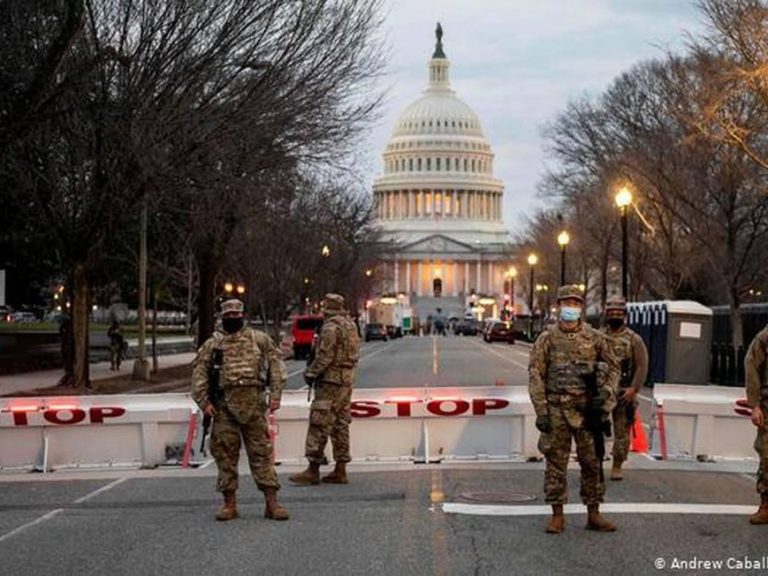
{"x": 699, "y": 422}
{"x": 411, "y": 424}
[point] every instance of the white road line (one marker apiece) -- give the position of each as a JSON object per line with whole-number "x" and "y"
{"x": 611, "y": 507}
{"x": 488, "y": 348}
{"x": 101, "y": 490}
{"x": 644, "y": 397}
{"x": 292, "y": 374}
{"x": 435, "y": 360}
{"x": 23, "y": 527}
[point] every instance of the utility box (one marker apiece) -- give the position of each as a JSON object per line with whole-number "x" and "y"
{"x": 678, "y": 335}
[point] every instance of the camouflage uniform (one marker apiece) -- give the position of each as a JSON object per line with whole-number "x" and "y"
{"x": 632, "y": 355}
{"x": 333, "y": 372}
{"x": 756, "y": 373}
{"x": 249, "y": 359}
{"x": 557, "y": 390}
{"x": 334, "y": 366}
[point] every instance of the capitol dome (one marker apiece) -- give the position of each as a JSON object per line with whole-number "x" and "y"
{"x": 439, "y": 207}
{"x": 438, "y": 169}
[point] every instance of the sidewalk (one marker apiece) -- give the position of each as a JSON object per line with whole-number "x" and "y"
{"x": 98, "y": 371}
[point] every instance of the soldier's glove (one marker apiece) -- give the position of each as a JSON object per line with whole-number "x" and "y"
{"x": 309, "y": 378}
{"x": 598, "y": 401}
{"x": 543, "y": 424}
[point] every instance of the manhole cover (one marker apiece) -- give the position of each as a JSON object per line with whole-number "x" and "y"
{"x": 497, "y": 497}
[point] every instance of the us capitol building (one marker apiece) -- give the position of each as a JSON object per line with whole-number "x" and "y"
{"x": 440, "y": 206}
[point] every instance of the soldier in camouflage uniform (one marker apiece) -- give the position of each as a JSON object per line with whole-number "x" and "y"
{"x": 563, "y": 357}
{"x": 333, "y": 374}
{"x": 632, "y": 355}
{"x": 756, "y": 373}
{"x": 250, "y": 362}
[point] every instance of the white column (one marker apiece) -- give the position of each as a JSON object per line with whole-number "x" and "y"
{"x": 408, "y": 287}
{"x": 466, "y": 277}
{"x": 479, "y": 278}
{"x": 491, "y": 287}
{"x": 419, "y": 266}
{"x": 455, "y": 278}
{"x": 397, "y": 275}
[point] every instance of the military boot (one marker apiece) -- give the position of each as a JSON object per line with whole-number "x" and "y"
{"x": 309, "y": 477}
{"x": 616, "y": 472}
{"x": 595, "y": 521}
{"x": 338, "y": 476}
{"x": 273, "y": 510}
{"x": 761, "y": 516}
{"x": 229, "y": 510}
{"x": 557, "y": 522}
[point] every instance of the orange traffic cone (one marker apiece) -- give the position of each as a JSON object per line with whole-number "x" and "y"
{"x": 639, "y": 439}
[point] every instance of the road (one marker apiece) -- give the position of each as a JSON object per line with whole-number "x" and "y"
{"x": 401, "y": 519}
{"x": 434, "y": 361}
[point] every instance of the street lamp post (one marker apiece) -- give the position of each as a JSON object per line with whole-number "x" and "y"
{"x": 532, "y": 260}
{"x": 624, "y": 201}
{"x": 511, "y": 274}
{"x": 562, "y": 239}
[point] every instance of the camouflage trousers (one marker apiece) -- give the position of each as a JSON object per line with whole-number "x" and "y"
{"x": 621, "y": 432}
{"x": 225, "y": 448}
{"x": 567, "y": 418}
{"x": 761, "y": 447}
{"x": 329, "y": 416}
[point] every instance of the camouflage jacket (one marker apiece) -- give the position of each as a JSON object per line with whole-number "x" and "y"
{"x": 250, "y": 362}
{"x": 628, "y": 346}
{"x": 338, "y": 351}
{"x": 755, "y": 368}
{"x": 559, "y": 359}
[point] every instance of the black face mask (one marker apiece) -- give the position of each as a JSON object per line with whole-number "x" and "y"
{"x": 615, "y": 323}
{"x": 231, "y": 325}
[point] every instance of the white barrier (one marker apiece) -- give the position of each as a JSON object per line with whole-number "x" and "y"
{"x": 701, "y": 421}
{"x": 420, "y": 425}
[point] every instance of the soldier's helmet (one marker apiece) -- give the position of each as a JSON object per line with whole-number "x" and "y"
{"x": 570, "y": 291}
{"x": 333, "y": 304}
{"x": 616, "y": 303}
{"x": 232, "y": 307}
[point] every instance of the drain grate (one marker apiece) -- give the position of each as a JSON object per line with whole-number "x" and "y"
{"x": 498, "y": 497}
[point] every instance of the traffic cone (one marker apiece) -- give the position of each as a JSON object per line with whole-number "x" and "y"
{"x": 639, "y": 438}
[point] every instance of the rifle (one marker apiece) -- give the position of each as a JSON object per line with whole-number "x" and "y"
{"x": 595, "y": 418}
{"x": 626, "y": 380}
{"x": 310, "y": 359}
{"x": 214, "y": 390}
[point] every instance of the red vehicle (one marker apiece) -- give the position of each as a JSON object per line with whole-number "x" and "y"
{"x": 303, "y": 329}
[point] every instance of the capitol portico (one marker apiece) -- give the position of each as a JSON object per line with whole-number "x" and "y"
{"x": 440, "y": 205}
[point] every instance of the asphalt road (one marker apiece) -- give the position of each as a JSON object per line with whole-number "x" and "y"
{"x": 401, "y": 519}
{"x": 434, "y": 361}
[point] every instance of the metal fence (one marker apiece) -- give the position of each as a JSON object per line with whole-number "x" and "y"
{"x": 727, "y": 365}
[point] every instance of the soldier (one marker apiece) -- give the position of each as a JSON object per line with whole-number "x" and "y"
{"x": 573, "y": 381}
{"x": 756, "y": 373}
{"x": 632, "y": 355}
{"x": 332, "y": 372}
{"x": 249, "y": 361}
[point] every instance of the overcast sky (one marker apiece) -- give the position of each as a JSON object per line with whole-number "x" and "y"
{"x": 517, "y": 63}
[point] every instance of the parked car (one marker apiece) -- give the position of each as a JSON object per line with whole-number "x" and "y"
{"x": 500, "y": 332}
{"x": 375, "y": 332}
{"x": 24, "y": 317}
{"x": 465, "y": 328}
{"x": 303, "y": 330}
{"x": 6, "y": 314}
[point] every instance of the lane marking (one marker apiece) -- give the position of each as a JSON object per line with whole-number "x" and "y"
{"x": 435, "y": 359}
{"x": 615, "y": 508}
{"x": 644, "y": 397}
{"x": 101, "y": 490}
{"x": 23, "y": 527}
{"x": 376, "y": 351}
{"x": 494, "y": 352}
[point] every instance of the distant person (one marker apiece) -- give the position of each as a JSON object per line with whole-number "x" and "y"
{"x": 632, "y": 355}
{"x": 332, "y": 373}
{"x": 116, "y": 345}
{"x": 757, "y": 397}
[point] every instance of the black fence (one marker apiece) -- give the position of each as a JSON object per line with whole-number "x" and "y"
{"x": 727, "y": 365}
